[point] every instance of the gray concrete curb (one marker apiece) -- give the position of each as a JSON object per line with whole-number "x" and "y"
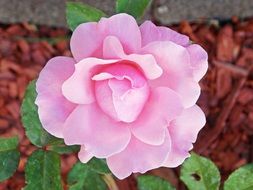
{"x": 52, "y": 12}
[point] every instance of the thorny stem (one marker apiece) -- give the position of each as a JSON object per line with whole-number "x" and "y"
{"x": 110, "y": 182}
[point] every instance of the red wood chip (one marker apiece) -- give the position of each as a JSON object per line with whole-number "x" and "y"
{"x": 227, "y": 92}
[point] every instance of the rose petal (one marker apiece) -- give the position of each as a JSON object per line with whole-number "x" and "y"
{"x": 183, "y": 132}
{"x": 112, "y": 48}
{"x": 172, "y": 57}
{"x": 187, "y": 88}
{"x": 86, "y": 41}
{"x": 104, "y": 99}
{"x": 147, "y": 63}
{"x": 53, "y": 107}
{"x": 177, "y": 156}
{"x": 138, "y": 157}
{"x": 84, "y": 155}
{"x": 119, "y": 25}
{"x": 128, "y": 91}
{"x": 189, "y": 123}
{"x": 89, "y": 126}
{"x": 177, "y": 70}
{"x": 151, "y": 33}
{"x": 128, "y": 103}
{"x": 78, "y": 88}
{"x": 199, "y": 61}
{"x": 162, "y": 106}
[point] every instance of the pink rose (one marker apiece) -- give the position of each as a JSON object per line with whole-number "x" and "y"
{"x": 128, "y": 95}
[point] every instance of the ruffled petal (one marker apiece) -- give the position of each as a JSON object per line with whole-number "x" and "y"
{"x": 199, "y": 61}
{"x": 177, "y": 70}
{"x": 102, "y": 136}
{"x": 172, "y": 57}
{"x": 146, "y": 62}
{"x": 53, "y": 107}
{"x": 128, "y": 89}
{"x": 86, "y": 41}
{"x": 84, "y": 155}
{"x": 163, "y": 106}
{"x": 128, "y": 103}
{"x": 151, "y": 33}
{"x": 138, "y": 157}
{"x": 189, "y": 123}
{"x": 183, "y": 132}
{"x": 79, "y": 87}
{"x": 125, "y": 28}
{"x": 112, "y": 48}
{"x": 187, "y": 88}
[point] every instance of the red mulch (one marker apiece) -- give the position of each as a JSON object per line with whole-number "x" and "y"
{"x": 227, "y": 92}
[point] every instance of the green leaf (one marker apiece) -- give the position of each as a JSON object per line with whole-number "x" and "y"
{"x": 82, "y": 178}
{"x": 9, "y": 157}
{"x": 135, "y": 8}
{"x": 30, "y": 119}
{"x": 42, "y": 171}
{"x": 240, "y": 179}
{"x": 78, "y": 13}
{"x": 64, "y": 149}
{"x": 98, "y": 166}
{"x": 149, "y": 182}
{"x": 200, "y": 173}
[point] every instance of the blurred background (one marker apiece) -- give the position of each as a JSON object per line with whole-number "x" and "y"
{"x": 33, "y": 31}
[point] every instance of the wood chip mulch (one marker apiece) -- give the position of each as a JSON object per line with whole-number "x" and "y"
{"x": 227, "y": 92}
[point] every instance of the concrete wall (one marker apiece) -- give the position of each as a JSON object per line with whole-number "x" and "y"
{"x": 52, "y": 12}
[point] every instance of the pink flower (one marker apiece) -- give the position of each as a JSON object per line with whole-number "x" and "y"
{"x": 128, "y": 95}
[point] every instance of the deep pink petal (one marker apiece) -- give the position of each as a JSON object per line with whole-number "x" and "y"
{"x": 151, "y": 33}
{"x": 147, "y": 62}
{"x": 162, "y": 106}
{"x": 199, "y": 61}
{"x": 126, "y": 70}
{"x": 125, "y": 28}
{"x": 53, "y": 107}
{"x": 129, "y": 91}
{"x": 79, "y": 87}
{"x": 84, "y": 155}
{"x": 183, "y": 132}
{"x": 138, "y": 157}
{"x": 102, "y": 136}
{"x": 86, "y": 41}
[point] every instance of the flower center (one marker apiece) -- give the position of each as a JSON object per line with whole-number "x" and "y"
{"x": 121, "y": 91}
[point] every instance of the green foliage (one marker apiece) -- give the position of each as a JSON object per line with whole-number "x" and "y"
{"x": 199, "y": 173}
{"x": 30, "y": 119}
{"x": 240, "y": 179}
{"x": 81, "y": 177}
{"x": 9, "y": 157}
{"x": 98, "y": 166}
{"x": 42, "y": 171}
{"x": 149, "y": 182}
{"x": 135, "y": 8}
{"x": 64, "y": 149}
{"x": 78, "y": 13}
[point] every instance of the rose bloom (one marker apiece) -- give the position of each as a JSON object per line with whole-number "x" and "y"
{"x": 128, "y": 94}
